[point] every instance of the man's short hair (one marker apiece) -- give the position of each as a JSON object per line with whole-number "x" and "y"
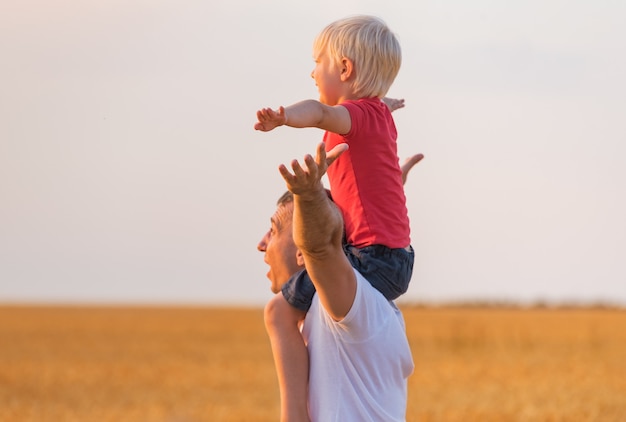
{"x": 287, "y": 198}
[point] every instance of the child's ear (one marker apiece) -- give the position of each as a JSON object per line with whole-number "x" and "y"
{"x": 347, "y": 69}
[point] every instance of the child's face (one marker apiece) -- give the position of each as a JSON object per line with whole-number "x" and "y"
{"x": 327, "y": 75}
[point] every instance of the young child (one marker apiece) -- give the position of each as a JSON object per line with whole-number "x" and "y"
{"x": 356, "y": 61}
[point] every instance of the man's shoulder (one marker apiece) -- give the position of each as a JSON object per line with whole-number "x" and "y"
{"x": 370, "y": 308}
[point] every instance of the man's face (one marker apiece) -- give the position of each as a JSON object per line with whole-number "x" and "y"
{"x": 281, "y": 253}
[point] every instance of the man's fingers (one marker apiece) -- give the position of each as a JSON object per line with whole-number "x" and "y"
{"x": 307, "y": 174}
{"x": 312, "y": 165}
{"x": 411, "y": 161}
{"x": 334, "y": 153}
{"x": 298, "y": 171}
{"x": 408, "y": 165}
{"x": 288, "y": 177}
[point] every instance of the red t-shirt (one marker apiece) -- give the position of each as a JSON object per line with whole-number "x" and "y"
{"x": 366, "y": 180}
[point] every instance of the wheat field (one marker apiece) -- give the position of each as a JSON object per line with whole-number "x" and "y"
{"x": 183, "y": 364}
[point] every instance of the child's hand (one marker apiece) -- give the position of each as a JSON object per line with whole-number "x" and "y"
{"x": 393, "y": 103}
{"x": 270, "y": 119}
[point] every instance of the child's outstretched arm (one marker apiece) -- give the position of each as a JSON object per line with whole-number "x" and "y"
{"x": 307, "y": 113}
{"x": 270, "y": 119}
{"x": 393, "y": 103}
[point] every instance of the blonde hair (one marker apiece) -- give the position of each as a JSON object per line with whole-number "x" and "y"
{"x": 371, "y": 46}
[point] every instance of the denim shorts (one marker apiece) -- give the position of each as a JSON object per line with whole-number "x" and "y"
{"x": 388, "y": 270}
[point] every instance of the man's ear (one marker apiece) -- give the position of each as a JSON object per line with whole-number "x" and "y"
{"x": 299, "y": 258}
{"x": 347, "y": 69}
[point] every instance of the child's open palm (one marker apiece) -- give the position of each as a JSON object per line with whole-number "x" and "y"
{"x": 270, "y": 119}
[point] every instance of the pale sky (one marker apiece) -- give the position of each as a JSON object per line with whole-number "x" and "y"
{"x": 130, "y": 171}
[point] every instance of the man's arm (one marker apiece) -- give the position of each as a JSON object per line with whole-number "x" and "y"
{"x": 318, "y": 230}
{"x": 408, "y": 165}
{"x": 307, "y": 113}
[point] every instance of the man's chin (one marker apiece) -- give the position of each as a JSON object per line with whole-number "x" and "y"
{"x": 273, "y": 285}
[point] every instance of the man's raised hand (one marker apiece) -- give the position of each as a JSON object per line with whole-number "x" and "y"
{"x": 308, "y": 178}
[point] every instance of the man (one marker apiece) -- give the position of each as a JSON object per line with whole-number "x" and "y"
{"x": 359, "y": 354}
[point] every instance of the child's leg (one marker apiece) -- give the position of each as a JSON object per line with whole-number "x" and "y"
{"x": 290, "y": 357}
{"x": 388, "y": 270}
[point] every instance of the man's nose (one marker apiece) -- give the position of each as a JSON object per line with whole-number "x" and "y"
{"x": 262, "y": 244}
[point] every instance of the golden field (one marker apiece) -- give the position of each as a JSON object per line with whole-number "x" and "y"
{"x": 210, "y": 364}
